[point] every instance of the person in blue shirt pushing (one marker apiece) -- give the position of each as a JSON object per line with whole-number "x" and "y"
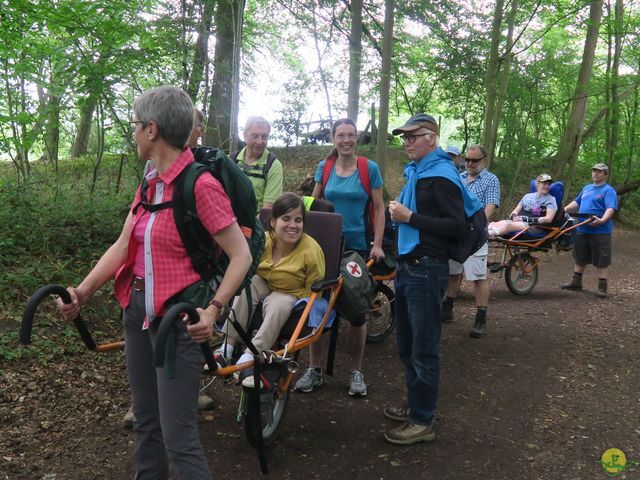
{"x": 593, "y": 242}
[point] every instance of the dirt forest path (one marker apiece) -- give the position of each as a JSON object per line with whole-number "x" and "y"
{"x": 553, "y": 385}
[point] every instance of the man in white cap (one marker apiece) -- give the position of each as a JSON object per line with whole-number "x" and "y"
{"x": 593, "y": 242}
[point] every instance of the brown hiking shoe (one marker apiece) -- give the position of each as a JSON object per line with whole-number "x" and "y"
{"x": 409, "y": 433}
{"x": 399, "y": 414}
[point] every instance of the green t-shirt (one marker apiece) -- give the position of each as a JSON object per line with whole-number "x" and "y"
{"x": 269, "y": 189}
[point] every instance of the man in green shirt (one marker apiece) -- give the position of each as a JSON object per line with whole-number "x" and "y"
{"x": 261, "y": 166}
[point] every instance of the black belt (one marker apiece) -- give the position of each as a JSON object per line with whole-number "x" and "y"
{"x": 416, "y": 260}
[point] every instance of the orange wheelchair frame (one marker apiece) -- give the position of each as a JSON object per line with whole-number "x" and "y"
{"x": 517, "y": 261}
{"x": 261, "y": 409}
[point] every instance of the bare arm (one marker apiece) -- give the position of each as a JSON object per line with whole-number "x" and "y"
{"x": 490, "y": 210}
{"x": 548, "y": 218}
{"x": 234, "y": 244}
{"x": 104, "y": 271}
{"x": 317, "y": 190}
{"x": 378, "y": 228}
{"x": 571, "y": 207}
{"x": 608, "y": 213}
{"x": 516, "y": 211}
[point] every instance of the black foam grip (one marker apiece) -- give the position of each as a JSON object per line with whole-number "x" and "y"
{"x": 167, "y": 322}
{"x": 32, "y": 305}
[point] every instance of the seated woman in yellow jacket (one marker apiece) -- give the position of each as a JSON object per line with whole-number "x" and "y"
{"x": 292, "y": 261}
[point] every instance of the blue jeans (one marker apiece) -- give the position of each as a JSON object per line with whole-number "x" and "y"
{"x": 419, "y": 288}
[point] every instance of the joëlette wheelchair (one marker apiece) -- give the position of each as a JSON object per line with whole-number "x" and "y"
{"x": 517, "y": 258}
{"x": 262, "y": 406}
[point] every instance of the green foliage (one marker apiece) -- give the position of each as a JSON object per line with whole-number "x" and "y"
{"x": 51, "y": 222}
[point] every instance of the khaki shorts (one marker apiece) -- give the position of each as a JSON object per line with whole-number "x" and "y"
{"x": 475, "y": 267}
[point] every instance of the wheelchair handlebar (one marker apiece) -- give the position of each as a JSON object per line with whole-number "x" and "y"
{"x": 167, "y": 322}
{"x": 32, "y": 305}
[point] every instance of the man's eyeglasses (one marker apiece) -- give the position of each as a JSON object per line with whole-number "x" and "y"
{"x": 473, "y": 160}
{"x": 411, "y": 138}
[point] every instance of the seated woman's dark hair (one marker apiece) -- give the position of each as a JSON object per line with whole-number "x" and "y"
{"x": 285, "y": 203}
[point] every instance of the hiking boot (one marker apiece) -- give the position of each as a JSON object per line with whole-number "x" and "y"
{"x": 494, "y": 267}
{"x": 447, "y": 310}
{"x": 409, "y": 433}
{"x": 602, "y": 288}
{"x": 574, "y": 284}
{"x": 311, "y": 378}
{"x": 479, "y": 329}
{"x": 205, "y": 402}
{"x": 399, "y": 414}
{"x": 357, "y": 387}
{"x": 128, "y": 419}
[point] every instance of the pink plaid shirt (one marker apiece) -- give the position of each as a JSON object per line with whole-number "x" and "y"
{"x": 168, "y": 268}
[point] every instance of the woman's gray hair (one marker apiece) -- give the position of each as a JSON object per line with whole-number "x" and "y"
{"x": 171, "y": 109}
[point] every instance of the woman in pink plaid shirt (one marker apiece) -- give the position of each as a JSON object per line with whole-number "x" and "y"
{"x": 151, "y": 266}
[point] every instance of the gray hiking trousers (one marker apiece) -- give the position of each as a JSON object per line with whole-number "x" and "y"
{"x": 166, "y": 412}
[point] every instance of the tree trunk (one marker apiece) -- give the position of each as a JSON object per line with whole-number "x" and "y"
{"x": 491, "y": 78}
{"x": 235, "y": 101}
{"x": 571, "y": 140}
{"x": 614, "y": 117}
{"x": 355, "y": 60}
{"x": 633, "y": 118}
{"x": 52, "y": 129}
{"x": 218, "y": 131}
{"x": 100, "y": 152}
{"x": 600, "y": 114}
{"x": 81, "y": 142}
{"x": 200, "y": 55}
{"x": 503, "y": 82}
{"x": 385, "y": 81}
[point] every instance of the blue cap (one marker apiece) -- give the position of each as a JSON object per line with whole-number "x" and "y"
{"x": 454, "y": 150}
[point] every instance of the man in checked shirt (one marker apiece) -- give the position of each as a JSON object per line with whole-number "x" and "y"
{"x": 487, "y": 187}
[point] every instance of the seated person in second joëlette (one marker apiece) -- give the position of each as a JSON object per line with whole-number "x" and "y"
{"x": 292, "y": 261}
{"x": 534, "y": 208}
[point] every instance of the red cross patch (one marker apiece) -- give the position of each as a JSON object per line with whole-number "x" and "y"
{"x": 354, "y": 269}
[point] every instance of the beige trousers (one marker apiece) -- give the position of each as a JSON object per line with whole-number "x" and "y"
{"x": 276, "y": 309}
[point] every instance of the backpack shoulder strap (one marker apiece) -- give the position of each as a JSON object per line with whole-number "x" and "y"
{"x": 234, "y": 156}
{"x": 195, "y": 237}
{"x": 329, "y": 163}
{"x": 152, "y": 208}
{"x": 363, "y": 173}
{"x": 267, "y": 166}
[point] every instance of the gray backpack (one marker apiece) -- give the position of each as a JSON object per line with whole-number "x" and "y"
{"x": 358, "y": 289}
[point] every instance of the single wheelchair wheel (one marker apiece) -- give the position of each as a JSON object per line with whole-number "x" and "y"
{"x": 381, "y": 318}
{"x": 272, "y": 408}
{"x": 521, "y": 274}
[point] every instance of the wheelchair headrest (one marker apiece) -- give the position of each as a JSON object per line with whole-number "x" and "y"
{"x": 556, "y": 189}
